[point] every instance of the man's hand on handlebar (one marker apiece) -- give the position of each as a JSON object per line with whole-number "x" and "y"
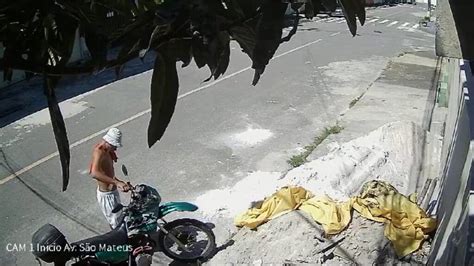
{"x": 124, "y": 187}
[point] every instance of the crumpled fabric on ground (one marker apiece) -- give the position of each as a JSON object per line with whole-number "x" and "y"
{"x": 284, "y": 200}
{"x": 406, "y": 224}
{"x": 333, "y": 216}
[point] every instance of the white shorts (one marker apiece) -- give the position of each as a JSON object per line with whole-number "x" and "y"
{"x": 107, "y": 202}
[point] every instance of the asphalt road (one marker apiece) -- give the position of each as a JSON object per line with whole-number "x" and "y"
{"x": 221, "y": 131}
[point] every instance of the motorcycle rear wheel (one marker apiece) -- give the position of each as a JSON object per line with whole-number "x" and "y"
{"x": 187, "y": 231}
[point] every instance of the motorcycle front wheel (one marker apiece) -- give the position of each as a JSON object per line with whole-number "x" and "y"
{"x": 196, "y": 236}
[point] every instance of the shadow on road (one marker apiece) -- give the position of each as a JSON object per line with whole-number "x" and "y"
{"x": 26, "y": 97}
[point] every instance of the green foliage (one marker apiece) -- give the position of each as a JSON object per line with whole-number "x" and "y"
{"x": 38, "y": 37}
{"x": 299, "y": 159}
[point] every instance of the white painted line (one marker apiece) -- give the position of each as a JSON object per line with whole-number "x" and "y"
{"x": 373, "y": 20}
{"x": 391, "y": 24}
{"x": 334, "y": 34}
{"x": 384, "y": 21}
{"x": 404, "y": 25}
{"x": 292, "y": 50}
{"x": 342, "y": 20}
{"x": 413, "y": 28}
{"x": 138, "y": 115}
{"x": 463, "y": 80}
{"x": 330, "y": 20}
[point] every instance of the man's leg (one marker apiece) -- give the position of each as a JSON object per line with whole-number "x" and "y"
{"x": 107, "y": 202}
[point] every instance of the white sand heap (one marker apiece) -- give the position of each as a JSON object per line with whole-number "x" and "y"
{"x": 391, "y": 153}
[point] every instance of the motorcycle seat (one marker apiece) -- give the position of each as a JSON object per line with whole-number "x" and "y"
{"x": 90, "y": 246}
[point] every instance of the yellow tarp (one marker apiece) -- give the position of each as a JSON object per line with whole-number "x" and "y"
{"x": 284, "y": 200}
{"x": 406, "y": 225}
{"x": 334, "y": 217}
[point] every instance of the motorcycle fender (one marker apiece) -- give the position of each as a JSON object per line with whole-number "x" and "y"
{"x": 170, "y": 207}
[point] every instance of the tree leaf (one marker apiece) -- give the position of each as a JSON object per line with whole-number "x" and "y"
{"x": 67, "y": 37}
{"x": 181, "y": 51}
{"x": 127, "y": 48}
{"x": 294, "y": 28}
{"x": 311, "y": 8}
{"x": 164, "y": 94}
{"x": 330, "y": 5}
{"x": 223, "y": 55}
{"x": 269, "y": 31}
{"x": 349, "y": 11}
{"x": 59, "y": 129}
{"x": 360, "y": 10}
{"x": 246, "y": 37}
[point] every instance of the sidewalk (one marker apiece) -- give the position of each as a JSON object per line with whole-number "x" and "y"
{"x": 405, "y": 91}
{"x": 396, "y": 112}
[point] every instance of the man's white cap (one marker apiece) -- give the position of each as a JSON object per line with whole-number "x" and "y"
{"x": 113, "y": 137}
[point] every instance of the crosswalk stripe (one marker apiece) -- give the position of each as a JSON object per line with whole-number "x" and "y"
{"x": 413, "y": 28}
{"x": 403, "y": 26}
{"x": 391, "y": 24}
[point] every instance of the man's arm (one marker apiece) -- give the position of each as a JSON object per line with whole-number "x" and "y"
{"x": 100, "y": 175}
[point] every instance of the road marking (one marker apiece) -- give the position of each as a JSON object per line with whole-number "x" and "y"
{"x": 330, "y": 20}
{"x": 391, "y": 24}
{"x": 334, "y": 34}
{"x": 140, "y": 114}
{"x": 463, "y": 81}
{"x": 413, "y": 28}
{"x": 384, "y": 21}
{"x": 404, "y": 25}
{"x": 342, "y": 20}
{"x": 373, "y": 20}
{"x": 290, "y": 51}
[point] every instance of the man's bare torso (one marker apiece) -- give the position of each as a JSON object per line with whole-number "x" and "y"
{"x": 106, "y": 165}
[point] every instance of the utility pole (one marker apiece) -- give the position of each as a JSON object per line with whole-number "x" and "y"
{"x": 429, "y": 9}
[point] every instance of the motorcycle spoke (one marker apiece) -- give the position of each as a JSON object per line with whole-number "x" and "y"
{"x": 195, "y": 240}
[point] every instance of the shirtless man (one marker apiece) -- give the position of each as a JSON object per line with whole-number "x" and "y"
{"x": 102, "y": 169}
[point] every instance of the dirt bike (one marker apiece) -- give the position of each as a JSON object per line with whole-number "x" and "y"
{"x": 185, "y": 240}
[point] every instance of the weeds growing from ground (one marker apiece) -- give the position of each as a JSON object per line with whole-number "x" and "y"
{"x": 299, "y": 159}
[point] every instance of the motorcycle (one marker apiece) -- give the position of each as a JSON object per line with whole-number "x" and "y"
{"x": 142, "y": 229}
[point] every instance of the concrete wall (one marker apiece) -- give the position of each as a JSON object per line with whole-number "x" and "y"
{"x": 455, "y": 31}
{"x": 452, "y": 197}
